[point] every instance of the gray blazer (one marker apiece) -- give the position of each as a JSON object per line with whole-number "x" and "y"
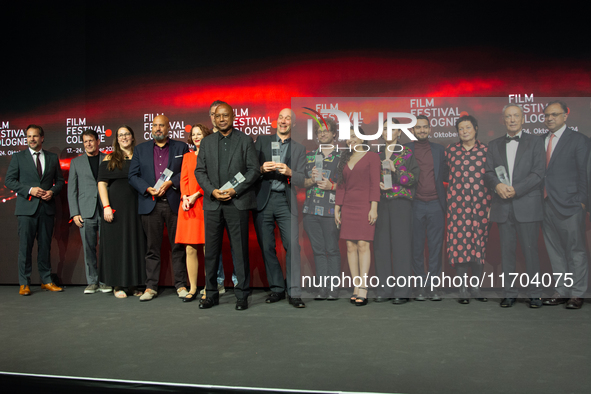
{"x": 243, "y": 159}
{"x": 528, "y": 174}
{"x": 82, "y": 187}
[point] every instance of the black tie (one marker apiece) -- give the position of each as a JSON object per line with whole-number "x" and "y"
{"x": 509, "y": 139}
{"x": 39, "y": 169}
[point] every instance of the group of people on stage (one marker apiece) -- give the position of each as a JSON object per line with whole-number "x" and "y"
{"x": 394, "y": 198}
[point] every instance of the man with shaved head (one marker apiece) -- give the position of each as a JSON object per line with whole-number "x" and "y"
{"x": 227, "y": 169}
{"x": 159, "y": 206}
{"x": 282, "y": 162}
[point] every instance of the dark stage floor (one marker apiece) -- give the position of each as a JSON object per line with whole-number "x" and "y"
{"x": 419, "y": 347}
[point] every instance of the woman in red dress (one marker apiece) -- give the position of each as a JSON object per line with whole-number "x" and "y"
{"x": 468, "y": 204}
{"x": 190, "y": 229}
{"x": 356, "y": 209}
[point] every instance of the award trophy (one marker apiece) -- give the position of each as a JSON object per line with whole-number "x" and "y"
{"x": 319, "y": 161}
{"x": 387, "y": 173}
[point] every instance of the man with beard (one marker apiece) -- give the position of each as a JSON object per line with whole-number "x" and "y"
{"x": 159, "y": 206}
{"x": 429, "y": 206}
{"x": 35, "y": 175}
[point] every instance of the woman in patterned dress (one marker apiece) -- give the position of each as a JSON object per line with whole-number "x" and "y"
{"x": 468, "y": 204}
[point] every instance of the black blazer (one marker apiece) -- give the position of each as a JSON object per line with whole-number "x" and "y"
{"x": 295, "y": 160}
{"x": 438, "y": 152}
{"x": 22, "y": 175}
{"x": 243, "y": 159}
{"x": 141, "y": 174}
{"x": 566, "y": 174}
{"x": 528, "y": 174}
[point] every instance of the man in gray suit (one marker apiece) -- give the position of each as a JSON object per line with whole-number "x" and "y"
{"x": 221, "y": 157}
{"x": 565, "y": 195}
{"x": 517, "y": 206}
{"x": 35, "y": 175}
{"x": 85, "y": 205}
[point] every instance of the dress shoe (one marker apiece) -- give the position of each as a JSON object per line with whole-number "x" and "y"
{"x": 148, "y": 295}
{"x": 535, "y": 303}
{"x": 241, "y": 304}
{"x": 51, "y": 287}
{"x": 208, "y": 302}
{"x": 477, "y": 294}
{"x": 24, "y": 290}
{"x": 381, "y": 299}
{"x": 556, "y": 299}
{"x": 321, "y": 296}
{"x": 464, "y": 296}
{"x": 420, "y": 296}
{"x": 574, "y": 303}
{"x": 507, "y": 302}
{"x": 275, "y": 297}
{"x": 399, "y": 301}
{"x": 297, "y": 302}
{"x": 434, "y": 296}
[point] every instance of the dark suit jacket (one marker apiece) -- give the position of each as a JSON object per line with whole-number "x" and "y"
{"x": 141, "y": 174}
{"x": 22, "y": 176}
{"x": 295, "y": 160}
{"x": 528, "y": 174}
{"x": 566, "y": 174}
{"x": 438, "y": 152}
{"x": 82, "y": 187}
{"x": 243, "y": 159}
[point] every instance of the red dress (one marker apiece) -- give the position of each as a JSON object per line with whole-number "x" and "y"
{"x": 190, "y": 229}
{"x": 361, "y": 186}
{"x": 468, "y": 201}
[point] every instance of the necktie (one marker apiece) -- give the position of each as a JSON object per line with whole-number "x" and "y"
{"x": 39, "y": 168}
{"x": 548, "y": 157}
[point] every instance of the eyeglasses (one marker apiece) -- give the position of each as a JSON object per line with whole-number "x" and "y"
{"x": 124, "y": 135}
{"x": 323, "y": 131}
{"x": 554, "y": 115}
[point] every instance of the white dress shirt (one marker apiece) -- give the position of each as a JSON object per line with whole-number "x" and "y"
{"x": 41, "y": 159}
{"x": 557, "y": 135}
{"x": 511, "y": 153}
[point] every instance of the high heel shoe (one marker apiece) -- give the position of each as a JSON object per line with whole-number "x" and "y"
{"x": 190, "y": 297}
{"x": 353, "y": 298}
{"x": 361, "y": 301}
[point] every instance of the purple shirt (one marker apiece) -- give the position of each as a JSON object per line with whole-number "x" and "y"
{"x": 160, "y": 159}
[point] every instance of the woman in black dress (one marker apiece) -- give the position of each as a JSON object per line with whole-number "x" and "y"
{"x": 123, "y": 242}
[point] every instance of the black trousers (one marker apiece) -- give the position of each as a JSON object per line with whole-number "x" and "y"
{"x": 277, "y": 211}
{"x": 528, "y": 233}
{"x": 37, "y": 226}
{"x": 153, "y": 224}
{"x": 235, "y": 221}
{"x": 324, "y": 238}
{"x": 564, "y": 237}
{"x": 393, "y": 246}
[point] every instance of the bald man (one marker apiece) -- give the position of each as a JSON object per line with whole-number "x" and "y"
{"x": 221, "y": 157}
{"x": 277, "y": 203}
{"x": 158, "y": 207}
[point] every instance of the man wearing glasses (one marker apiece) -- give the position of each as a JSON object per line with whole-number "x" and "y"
{"x": 565, "y": 194}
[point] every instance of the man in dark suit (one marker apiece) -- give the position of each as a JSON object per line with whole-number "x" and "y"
{"x": 276, "y": 202}
{"x": 35, "y": 175}
{"x": 221, "y": 157}
{"x": 85, "y": 205}
{"x": 565, "y": 195}
{"x": 159, "y": 206}
{"x": 517, "y": 206}
{"x": 429, "y": 207}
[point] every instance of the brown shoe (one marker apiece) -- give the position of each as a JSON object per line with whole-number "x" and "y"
{"x": 556, "y": 299}
{"x": 574, "y": 303}
{"x": 24, "y": 290}
{"x": 51, "y": 287}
